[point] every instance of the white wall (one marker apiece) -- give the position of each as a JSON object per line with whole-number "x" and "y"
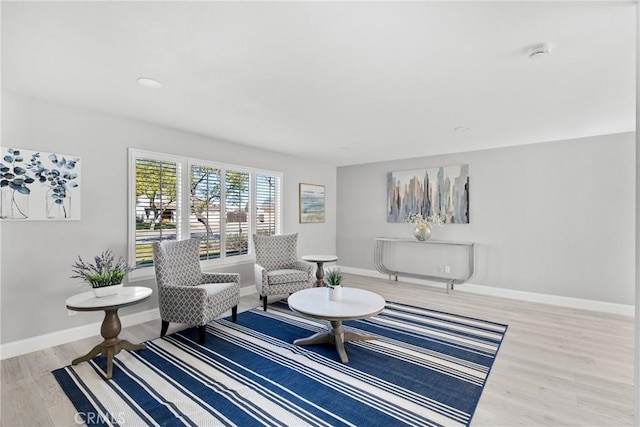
{"x": 36, "y": 257}
{"x": 554, "y": 218}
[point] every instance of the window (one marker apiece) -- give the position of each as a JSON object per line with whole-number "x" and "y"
{"x": 156, "y": 195}
{"x": 237, "y": 216}
{"x": 222, "y": 205}
{"x": 206, "y": 196}
{"x": 267, "y": 204}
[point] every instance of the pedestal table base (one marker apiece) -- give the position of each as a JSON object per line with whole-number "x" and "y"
{"x": 111, "y": 345}
{"x": 337, "y": 336}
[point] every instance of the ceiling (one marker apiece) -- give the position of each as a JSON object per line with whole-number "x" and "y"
{"x": 338, "y": 82}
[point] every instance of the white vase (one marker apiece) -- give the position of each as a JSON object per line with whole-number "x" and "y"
{"x": 335, "y": 293}
{"x": 106, "y": 291}
{"x": 422, "y": 233}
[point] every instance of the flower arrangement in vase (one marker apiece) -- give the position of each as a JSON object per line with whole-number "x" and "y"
{"x": 422, "y": 227}
{"x": 105, "y": 275}
{"x": 333, "y": 280}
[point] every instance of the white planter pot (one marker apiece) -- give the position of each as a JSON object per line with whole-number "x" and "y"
{"x": 335, "y": 294}
{"x": 106, "y": 291}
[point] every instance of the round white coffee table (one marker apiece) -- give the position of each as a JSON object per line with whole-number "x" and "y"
{"x": 355, "y": 304}
{"x": 111, "y": 326}
{"x": 320, "y": 260}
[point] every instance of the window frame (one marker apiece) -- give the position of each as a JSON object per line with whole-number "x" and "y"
{"x": 183, "y": 193}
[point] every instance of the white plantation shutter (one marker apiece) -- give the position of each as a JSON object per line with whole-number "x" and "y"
{"x": 204, "y": 219}
{"x": 237, "y": 213}
{"x": 176, "y": 198}
{"x": 267, "y": 206}
{"x": 156, "y": 205}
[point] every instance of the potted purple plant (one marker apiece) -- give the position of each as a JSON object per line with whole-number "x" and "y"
{"x": 105, "y": 275}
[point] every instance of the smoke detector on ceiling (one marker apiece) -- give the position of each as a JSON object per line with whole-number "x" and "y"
{"x": 539, "y": 50}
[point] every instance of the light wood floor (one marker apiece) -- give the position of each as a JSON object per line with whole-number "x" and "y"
{"x": 556, "y": 366}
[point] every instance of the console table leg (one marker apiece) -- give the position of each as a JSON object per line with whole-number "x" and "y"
{"x": 449, "y": 286}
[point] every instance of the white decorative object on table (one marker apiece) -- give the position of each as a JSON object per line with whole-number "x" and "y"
{"x": 105, "y": 275}
{"x": 106, "y": 291}
{"x": 422, "y": 227}
{"x": 422, "y": 233}
{"x": 333, "y": 279}
{"x": 335, "y": 293}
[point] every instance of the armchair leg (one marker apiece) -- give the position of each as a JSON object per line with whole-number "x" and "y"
{"x": 264, "y": 303}
{"x": 234, "y": 313}
{"x": 165, "y": 327}
{"x": 202, "y": 329}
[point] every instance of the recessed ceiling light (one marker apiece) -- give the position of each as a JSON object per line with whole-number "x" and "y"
{"x": 147, "y": 82}
{"x": 461, "y": 129}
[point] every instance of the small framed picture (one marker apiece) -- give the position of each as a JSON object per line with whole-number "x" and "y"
{"x": 311, "y": 198}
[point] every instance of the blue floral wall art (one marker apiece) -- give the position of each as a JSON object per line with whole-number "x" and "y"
{"x": 37, "y": 185}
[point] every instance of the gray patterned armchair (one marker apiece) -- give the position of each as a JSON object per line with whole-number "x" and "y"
{"x": 277, "y": 270}
{"x": 187, "y": 295}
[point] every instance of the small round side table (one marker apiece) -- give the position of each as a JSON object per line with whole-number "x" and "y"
{"x": 320, "y": 260}
{"x": 111, "y": 326}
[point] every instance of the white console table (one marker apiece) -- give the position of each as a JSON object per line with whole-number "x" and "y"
{"x": 387, "y": 259}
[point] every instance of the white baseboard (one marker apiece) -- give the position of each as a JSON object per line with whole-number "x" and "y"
{"x": 569, "y": 302}
{"x": 248, "y": 290}
{"x": 27, "y": 345}
{"x": 17, "y": 348}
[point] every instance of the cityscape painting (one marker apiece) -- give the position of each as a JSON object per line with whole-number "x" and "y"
{"x": 442, "y": 191}
{"x": 311, "y": 203}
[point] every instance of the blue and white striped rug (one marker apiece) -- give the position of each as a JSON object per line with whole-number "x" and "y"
{"x": 427, "y": 368}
